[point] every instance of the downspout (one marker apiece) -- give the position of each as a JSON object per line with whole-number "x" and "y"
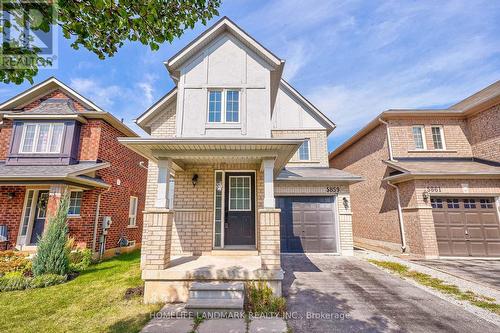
{"x": 96, "y": 221}
{"x": 389, "y": 145}
{"x": 400, "y": 217}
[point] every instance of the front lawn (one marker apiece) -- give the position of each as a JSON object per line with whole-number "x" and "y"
{"x": 93, "y": 302}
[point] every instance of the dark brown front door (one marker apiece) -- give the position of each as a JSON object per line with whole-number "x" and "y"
{"x": 466, "y": 226}
{"x": 40, "y": 214}
{"x": 239, "y": 225}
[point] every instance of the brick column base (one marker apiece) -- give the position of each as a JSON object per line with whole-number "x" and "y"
{"x": 269, "y": 238}
{"x": 156, "y": 239}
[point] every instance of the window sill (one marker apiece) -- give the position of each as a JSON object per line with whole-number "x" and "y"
{"x": 132, "y": 227}
{"x": 223, "y": 125}
{"x": 74, "y": 216}
{"x": 432, "y": 151}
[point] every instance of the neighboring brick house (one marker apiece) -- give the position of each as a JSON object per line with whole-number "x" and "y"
{"x": 445, "y": 164}
{"x": 248, "y": 157}
{"x": 53, "y": 140}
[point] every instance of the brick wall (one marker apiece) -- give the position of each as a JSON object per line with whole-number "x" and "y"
{"x": 455, "y": 137}
{"x": 484, "y": 134}
{"x": 5, "y": 138}
{"x": 163, "y": 125}
{"x": 11, "y": 211}
{"x": 318, "y": 147}
{"x": 373, "y": 202}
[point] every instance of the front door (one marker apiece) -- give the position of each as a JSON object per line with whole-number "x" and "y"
{"x": 40, "y": 214}
{"x": 239, "y": 226}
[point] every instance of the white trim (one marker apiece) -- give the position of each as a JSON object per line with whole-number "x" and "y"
{"x": 81, "y": 200}
{"x": 149, "y": 112}
{"x": 36, "y": 137}
{"x": 223, "y": 119}
{"x": 422, "y": 133}
{"x": 441, "y": 134}
{"x": 250, "y": 198}
{"x": 222, "y": 210}
{"x": 134, "y": 215}
{"x": 299, "y": 159}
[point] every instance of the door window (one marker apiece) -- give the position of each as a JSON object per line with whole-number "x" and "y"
{"x": 239, "y": 193}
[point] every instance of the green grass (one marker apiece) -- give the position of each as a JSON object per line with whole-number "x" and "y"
{"x": 484, "y": 302}
{"x": 93, "y": 302}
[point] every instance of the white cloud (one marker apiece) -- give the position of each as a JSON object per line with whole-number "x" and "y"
{"x": 103, "y": 95}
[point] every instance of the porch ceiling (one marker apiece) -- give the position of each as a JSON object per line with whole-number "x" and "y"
{"x": 195, "y": 151}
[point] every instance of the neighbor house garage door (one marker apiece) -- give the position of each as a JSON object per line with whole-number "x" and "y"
{"x": 307, "y": 224}
{"x": 466, "y": 226}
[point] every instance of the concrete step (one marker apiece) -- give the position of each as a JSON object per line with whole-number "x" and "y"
{"x": 230, "y": 253}
{"x": 233, "y": 286}
{"x": 230, "y": 290}
{"x": 201, "y": 305}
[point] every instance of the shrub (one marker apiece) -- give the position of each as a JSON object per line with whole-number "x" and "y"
{"x": 260, "y": 299}
{"x": 14, "y": 281}
{"x": 52, "y": 254}
{"x": 14, "y": 261}
{"x": 47, "y": 280}
{"x": 80, "y": 259}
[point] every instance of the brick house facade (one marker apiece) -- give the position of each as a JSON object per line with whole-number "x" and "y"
{"x": 106, "y": 173}
{"x": 448, "y": 192}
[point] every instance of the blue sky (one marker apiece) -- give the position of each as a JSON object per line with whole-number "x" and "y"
{"x": 352, "y": 59}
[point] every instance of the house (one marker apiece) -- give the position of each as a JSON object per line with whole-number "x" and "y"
{"x": 238, "y": 170}
{"x": 54, "y": 140}
{"x": 432, "y": 179}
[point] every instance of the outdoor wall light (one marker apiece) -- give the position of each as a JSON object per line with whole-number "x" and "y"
{"x": 425, "y": 195}
{"x": 11, "y": 195}
{"x": 194, "y": 180}
{"x": 346, "y": 203}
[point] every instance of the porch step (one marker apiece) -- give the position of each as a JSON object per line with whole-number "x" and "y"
{"x": 216, "y": 297}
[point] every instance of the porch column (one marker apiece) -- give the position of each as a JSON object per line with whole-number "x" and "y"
{"x": 163, "y": 183}
{"x": 55, "y": 194}
{"x": 157, "y": 225}
{"x": 268, "y": 168}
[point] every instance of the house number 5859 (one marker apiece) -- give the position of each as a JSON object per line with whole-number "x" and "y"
{"x": 332, "y": 189}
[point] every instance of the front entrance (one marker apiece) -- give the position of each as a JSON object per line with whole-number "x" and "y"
{"x": 466, "y": 226}
{"x": 40, "y": 215}
{"x": 239, "y": 208}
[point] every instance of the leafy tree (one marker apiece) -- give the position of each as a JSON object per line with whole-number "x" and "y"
{"x": 52, "y": 255}
{"x": 101, "y": 26}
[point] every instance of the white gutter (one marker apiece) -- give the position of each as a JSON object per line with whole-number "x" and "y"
{"x": 391, "y": 158}
{"x": 400, "y": 217}
{"x": 96, "y": 221}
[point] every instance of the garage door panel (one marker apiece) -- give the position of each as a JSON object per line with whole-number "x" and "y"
{"x": 465, "y": 227}
{"x": 312, "y": 220}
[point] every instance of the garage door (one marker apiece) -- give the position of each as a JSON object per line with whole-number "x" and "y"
{"x": 307, "y": 224}
{"x": 466, "y": 226}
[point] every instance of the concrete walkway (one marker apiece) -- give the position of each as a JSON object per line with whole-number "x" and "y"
{"x": 173, "y": 319}
{"x": 347, "y": 294}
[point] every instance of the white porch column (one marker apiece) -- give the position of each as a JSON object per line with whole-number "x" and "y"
{"x": 268, "y": 166}
{"x": 163, "y": 183}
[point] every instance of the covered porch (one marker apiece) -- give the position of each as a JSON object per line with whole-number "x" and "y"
{"x": 219, "y": 222}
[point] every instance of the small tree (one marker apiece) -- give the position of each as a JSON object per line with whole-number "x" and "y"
{"x": 53, "y": 254}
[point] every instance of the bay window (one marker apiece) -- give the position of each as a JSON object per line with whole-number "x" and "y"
{"x": 42, "y": 138}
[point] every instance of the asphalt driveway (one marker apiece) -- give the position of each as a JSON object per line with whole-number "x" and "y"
{"x": 486, "y": 272}
{"x": 347, "y": 294}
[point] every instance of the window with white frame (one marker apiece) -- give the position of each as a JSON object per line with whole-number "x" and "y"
{"x": 224, "y": 106}
{"x": 419, "y": 137}
{"x": 132, "y": 212}
{"x": 75, "y": 203}
{"x": 437, "y": 137}
{"x": 42, "y": 138}
{"x": 305, "y": 151}
{"x": 239, "y": 193}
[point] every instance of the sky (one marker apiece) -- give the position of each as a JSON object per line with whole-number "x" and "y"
{"x": 352, "y": 59}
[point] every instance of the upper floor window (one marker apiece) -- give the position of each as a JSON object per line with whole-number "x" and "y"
{"x": 419, "y": 137}
{"x": 437, "y": 137}
{"x": 304, "y": 151}
{"x": 224, "y": 106}
{"x": 42, "y": 138}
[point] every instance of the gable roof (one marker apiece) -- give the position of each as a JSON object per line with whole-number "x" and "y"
{"x": 54, "y": 106}
{"x": 219, "y": 27}
{"x": 143, "y": 119}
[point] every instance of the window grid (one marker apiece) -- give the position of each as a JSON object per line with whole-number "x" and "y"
{"x": 437, "y": 137}
{"x": 486, "y": 203}
{"x": 239, "y": 193}
{"x": 436, "y": 203}
{"x": 42, "y": 138}
{"x": 418, "y": 137}
{"x": 453, "y": 203}
{"x": 223, "y": 106}
{"x": 469, "y": 203}
{"x": 304, "y": 151}
{"x": 75, "y": 203}
{"x": 132, "y": 214}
